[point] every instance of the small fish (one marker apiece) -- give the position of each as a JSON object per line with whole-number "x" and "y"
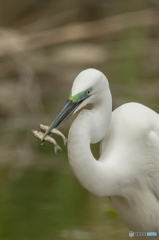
{"x": 47, "y": 138}
{"x": 54, "y": 131}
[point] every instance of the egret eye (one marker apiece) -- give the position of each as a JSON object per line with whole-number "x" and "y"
{"x": 88, "y": 92}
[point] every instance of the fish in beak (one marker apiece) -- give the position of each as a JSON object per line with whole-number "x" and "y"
{"x": 73, "y": 104}
{"x": 66, "y": 112}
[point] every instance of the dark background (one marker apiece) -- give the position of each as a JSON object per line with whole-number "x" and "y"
{"x": 43, "y": 46}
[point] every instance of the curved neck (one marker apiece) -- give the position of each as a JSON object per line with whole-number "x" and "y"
{"x": 90, "y": 127}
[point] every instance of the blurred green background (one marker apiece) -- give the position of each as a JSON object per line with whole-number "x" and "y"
{"x": 43, "y": 46}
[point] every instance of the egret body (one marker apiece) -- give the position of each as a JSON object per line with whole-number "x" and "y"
{"x": 128, "y": 167}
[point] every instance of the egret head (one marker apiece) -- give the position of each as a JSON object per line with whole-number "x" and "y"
{"x": 87, "y": 88}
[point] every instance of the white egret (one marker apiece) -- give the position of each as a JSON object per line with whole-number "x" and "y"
{"x": 128, "y": 167}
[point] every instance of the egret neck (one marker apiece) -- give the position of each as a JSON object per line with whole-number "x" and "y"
{"x": 86, "y": 129}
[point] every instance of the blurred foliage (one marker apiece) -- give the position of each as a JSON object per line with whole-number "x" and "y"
{"x": 43, "y": 46}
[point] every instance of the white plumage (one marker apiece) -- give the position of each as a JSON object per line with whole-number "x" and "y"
{"x": 128, "y": 167}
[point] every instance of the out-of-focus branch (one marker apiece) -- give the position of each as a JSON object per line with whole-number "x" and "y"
{"x": 81, "y": 31}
